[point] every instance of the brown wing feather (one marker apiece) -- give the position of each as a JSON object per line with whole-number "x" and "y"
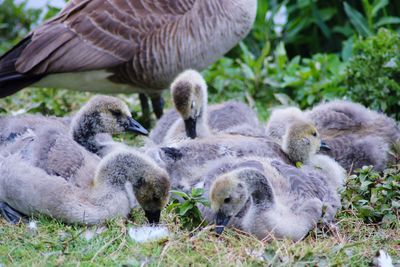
{"x": 96, "y": 34}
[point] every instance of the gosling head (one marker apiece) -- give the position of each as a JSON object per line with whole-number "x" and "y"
{"x": 301, "y": 141}
{"x": 107, "y": 114}
{"x": 189, "y": 94}
{"x": 150, "y": 183}
{"x": 228, "y": 195}
{"x": 230, "y": 192}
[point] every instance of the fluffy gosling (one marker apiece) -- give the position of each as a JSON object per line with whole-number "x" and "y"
{"x": 262, "y": 203}
{"x": 122, "y": 178}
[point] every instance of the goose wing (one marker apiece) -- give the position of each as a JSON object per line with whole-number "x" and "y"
{"x": 95, "y": 34}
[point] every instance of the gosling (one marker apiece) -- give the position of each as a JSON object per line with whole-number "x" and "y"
{"x": 263, "y": 202}
{"x": 358, "y": 136}
{"x": 122, "y": 179}
{"x": 102, "y": 114}
{"x": 192, "y": 118}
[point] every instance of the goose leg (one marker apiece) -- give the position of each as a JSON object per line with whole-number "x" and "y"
{"x": 9, "y": 214}
{"x": 144, "y": 103}
{"x": 158, "y": 105}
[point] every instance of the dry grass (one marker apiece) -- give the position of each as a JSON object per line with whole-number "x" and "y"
{"x": 54, "y": 243}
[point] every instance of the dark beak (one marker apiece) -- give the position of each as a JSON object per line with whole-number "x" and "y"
{"x": 153, "y": 216}
{"x": 324, "y": 146}
{"x": 190, "y": 127}
{"x": 221, "y": 221}
{"x": 136, "y": 127}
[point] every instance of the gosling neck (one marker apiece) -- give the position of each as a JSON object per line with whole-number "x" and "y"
{"x": 295, "y": 153}
{"x": 118, "y": 168}
{"x": 85, "y": 127}
{"x": 202, "y": 119}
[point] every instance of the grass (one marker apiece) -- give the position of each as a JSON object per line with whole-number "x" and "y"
{"x": 56, "y": 244}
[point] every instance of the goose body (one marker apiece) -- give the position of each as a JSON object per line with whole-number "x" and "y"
{"x": 357, "y": 135}
{"x": 122, "y": 180}
{"x": 56, "y": 154}
{"x": 268, "y": 198}
{"x": 12, "y": 126}
{"x": 125, "y": 46}
{"x": 186, "y": 161}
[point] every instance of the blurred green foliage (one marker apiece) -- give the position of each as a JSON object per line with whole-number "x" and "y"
{"x": 17, "y": 20}
{"x": 374, "y": 197}
{"x": 315, "y": 26}
{"x": 273, "y": 78}
{"x": 373, "y": 73}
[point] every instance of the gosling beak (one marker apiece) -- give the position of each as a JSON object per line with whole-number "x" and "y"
{"x": 324, "y": 146}
{"x": 135, "y": 127}
{"x": 153, "y": 216}
{"x": 190, "y": 127}
{"x": 221, "y": 221}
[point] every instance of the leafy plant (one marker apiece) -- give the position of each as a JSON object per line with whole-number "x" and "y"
{"x": 273, "y": 78}
{"x": 15, "y": 22}
{"x": 373, "y": 73}
{"x": 367, "y": 24}
{"x": 316, "y": 26}
{"x": 374, "y": 197}
{"x": 185, "y": 206}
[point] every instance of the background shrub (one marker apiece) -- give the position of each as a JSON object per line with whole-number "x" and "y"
{"x": 373, "y": 73}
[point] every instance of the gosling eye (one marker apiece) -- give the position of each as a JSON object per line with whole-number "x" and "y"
{"x": 227, "y": 200}
{"x": 314, "y": 134}
{"x": 116, "y": 113}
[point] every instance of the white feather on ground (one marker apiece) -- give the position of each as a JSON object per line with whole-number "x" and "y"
{"x": 148, "y": 233}
{"x": 383, "y": 259}
{"x": 32, "y": 227}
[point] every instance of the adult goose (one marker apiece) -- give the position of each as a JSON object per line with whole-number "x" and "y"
{"x": 125, "y": 46}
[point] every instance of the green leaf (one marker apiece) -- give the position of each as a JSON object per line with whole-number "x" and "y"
{"x": 185, "y": 207}
{"x": 347, "y": 49}
{"x": 299, "y": 164}
{"x": 179, "y": 193}
{"x": 378, "y": 5}
{"x": 321, "y": 24}
{"x": 357, "y": 19}
{"x": 197, "y": 192}
{"x": 387, "y": 20}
